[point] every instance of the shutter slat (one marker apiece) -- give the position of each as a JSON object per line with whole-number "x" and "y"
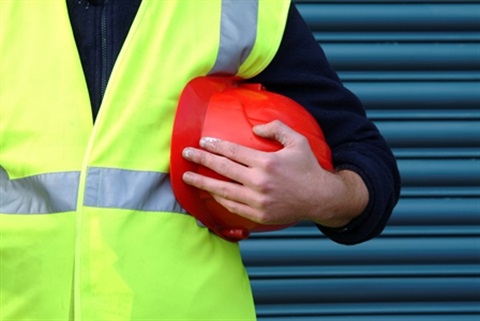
{"x": 414, "y": 17}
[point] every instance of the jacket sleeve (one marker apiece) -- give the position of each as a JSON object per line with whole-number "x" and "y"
{"x": 301, "y": 71}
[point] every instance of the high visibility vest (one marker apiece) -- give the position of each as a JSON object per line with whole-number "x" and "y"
{"x": 90, "y": 229}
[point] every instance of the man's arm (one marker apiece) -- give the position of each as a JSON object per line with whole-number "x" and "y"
{"x": 301, "y": 71}
{"x": 350, "y": 205}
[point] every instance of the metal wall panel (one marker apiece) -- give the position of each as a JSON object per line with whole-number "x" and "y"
{"x": 416, "y": 67}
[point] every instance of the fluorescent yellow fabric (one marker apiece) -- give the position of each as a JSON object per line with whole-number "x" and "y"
{"x": 99, "y": 263}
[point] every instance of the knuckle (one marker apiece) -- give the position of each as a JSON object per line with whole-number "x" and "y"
{"x": 200, "y": 157}
{"x": 269, "y": 163}
{"x": 263, "y": 218}
{"x": 232, "y": 150}
{"x": 260, "y": 184}
{"x": 233, "y": 208}
{"x": 224, "y": 192}
{"x": 276, "y": 123}
{"x": 302, "y": 139}
{"x": 224, "y": 167}
{"x": 264, "y": 203}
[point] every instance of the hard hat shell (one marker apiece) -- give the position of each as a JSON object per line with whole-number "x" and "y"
{"x": 226, "y": 108}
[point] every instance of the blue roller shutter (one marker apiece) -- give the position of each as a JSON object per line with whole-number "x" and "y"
{"x": 416, "y": 67}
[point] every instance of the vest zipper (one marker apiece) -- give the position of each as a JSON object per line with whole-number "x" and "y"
{"x": 104, "y": 75}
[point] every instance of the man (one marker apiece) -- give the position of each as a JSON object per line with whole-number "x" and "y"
{"x": 90, "y": 229}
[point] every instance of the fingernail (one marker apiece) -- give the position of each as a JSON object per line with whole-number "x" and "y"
{"x": 187, "y": 153}
{"x": 187, "y": 177}
{"x": 208, "y": 141}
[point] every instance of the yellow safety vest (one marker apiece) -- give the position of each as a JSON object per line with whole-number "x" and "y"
{"x": 90, "y": 229}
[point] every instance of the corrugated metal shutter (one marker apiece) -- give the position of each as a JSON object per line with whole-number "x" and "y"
{"x": 416, "y": 66}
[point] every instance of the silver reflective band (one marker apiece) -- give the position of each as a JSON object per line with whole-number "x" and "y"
{"x": 238, "y": 31}
{"x": 105, "y": 187}
{"x": 39, "y": 194}
{"x": 127, "y": 189}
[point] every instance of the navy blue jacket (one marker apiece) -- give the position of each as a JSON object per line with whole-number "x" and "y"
{"x": 300, "y": 71}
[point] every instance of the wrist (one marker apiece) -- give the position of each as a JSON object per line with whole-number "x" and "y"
{"x": 347, "y": 198}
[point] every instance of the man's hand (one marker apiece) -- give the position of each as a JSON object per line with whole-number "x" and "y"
{"x": 282, "y": 187}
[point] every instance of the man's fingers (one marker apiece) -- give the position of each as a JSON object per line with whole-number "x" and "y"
{"x": 231, "y": 195}
{"x": 234, "y": 197}
{"x": 235, "y": 152}
{"x": 276, "y": 130}
{"x": 222, "y": 165}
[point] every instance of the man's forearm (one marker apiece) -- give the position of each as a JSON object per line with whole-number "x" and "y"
{"x": 349, "y": 199}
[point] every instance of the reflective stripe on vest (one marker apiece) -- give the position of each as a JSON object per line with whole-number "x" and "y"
{"x": 39, "y": 194}
{"x": 125, "y": 189}
{"x": 105, "y": 187}
{"x": 236, "y": 32}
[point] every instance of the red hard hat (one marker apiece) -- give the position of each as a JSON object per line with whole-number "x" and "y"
{"x": 226, "y": 108}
